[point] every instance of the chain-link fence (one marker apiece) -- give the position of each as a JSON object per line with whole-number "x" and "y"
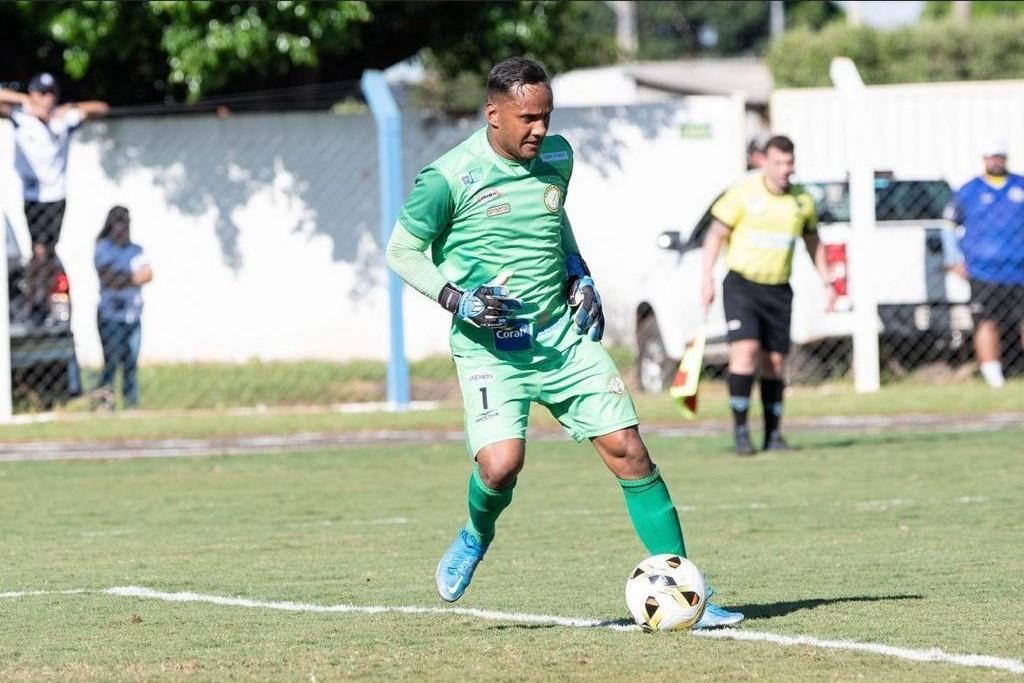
{"x": 258, "y": 278}
{"x": 243, "y": 270}
{"x": 44, "y": 366}
{"x": 260, "y": 232}
{"x": 945, "y": 261}
{"x": 923, "y": 312}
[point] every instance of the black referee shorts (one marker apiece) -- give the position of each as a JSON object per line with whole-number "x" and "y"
{"x": 756, "y": 311}
{"x": 1003, "y": 304}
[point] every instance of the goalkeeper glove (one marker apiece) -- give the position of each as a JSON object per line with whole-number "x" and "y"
{"x": 488, "y": 306}
{"x": 584, "y": 299}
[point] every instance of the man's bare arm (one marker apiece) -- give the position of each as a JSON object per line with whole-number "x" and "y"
{"x": 816, "y": 249}
{"x": 91, "y": 109}
{"x": 9, "y": 98}
{"x": 718, "y": 234}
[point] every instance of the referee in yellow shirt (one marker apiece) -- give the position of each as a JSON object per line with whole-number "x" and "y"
{"x": 760, "y": 218}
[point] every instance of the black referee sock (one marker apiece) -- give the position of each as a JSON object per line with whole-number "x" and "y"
{"x": 771, "y": 400}
{"x": 739, "y": 397}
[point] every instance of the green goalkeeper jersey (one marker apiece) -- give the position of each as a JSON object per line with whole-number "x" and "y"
{"x": 485, "y": 215}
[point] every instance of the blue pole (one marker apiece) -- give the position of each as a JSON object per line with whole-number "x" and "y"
{"x": 389, "y": 154}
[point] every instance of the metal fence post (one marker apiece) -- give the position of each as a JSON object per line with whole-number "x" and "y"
{"x": 389, "y": 153}
{"x": 6, "y": 405}
{"x": 862, "y": 222}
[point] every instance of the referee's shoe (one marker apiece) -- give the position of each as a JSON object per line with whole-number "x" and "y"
{"x": 741, "y": 440}
{"x": 776, "y": 442}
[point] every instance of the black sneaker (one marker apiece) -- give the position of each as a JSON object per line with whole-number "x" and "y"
{"x": 741, "y": 440}
{"x": 776, "y": 442}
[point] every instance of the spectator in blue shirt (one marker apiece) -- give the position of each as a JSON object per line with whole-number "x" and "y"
{"x": 122, "y": 270}
{"x": 989, "y": 211}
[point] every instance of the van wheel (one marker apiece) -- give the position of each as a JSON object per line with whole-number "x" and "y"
{"x": 654, "y": 368}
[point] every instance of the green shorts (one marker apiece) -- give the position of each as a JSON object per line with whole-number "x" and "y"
{"x": 580, "y": 386}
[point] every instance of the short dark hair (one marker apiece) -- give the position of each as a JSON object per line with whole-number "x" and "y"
{"x": 781, "y": 143}
{"x": 514, "y": 73}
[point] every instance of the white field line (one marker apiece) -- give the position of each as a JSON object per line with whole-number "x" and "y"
{"x": 22, "y": 594}
{"x": 932, "y": 655}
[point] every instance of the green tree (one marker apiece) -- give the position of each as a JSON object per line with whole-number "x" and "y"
{"x": 674, "y": 29}
{"x": 928, "y": 52}
{"x": 980, "y": 9}
{"x": 172, "y": 50}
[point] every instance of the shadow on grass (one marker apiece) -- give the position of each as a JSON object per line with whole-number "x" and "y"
{"x": 597, "y": 624}
{"x": 885, "y": 439}
{"x": 779, "y": 609}
{"x": 752, "y": 612}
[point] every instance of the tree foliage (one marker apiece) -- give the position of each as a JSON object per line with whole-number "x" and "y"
{"x": 980, "y": 9}
{"x": 130, "y": 52}
{"x": 929, "y": 51}
{"x": 670, "y": 30}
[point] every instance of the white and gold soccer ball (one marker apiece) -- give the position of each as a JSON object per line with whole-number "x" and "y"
{"x": 666, "y": 592}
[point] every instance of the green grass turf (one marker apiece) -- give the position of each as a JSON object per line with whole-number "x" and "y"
{"x": 958, "y": 399}
{"x": 906, "y": 540}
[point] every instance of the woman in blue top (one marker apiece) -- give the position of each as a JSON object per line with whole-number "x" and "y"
{"x": 122, "y": 270}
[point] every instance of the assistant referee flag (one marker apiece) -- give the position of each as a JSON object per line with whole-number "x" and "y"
{"x": 684, "y": 385}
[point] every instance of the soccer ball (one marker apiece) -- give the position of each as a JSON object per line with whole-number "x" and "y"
{"x": 666, "y": 592}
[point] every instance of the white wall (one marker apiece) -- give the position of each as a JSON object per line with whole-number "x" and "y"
{"x": 922, "y": 130}
{"x": 262, "y": 229}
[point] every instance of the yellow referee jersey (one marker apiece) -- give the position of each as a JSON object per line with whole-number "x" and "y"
{"x": 765, "y": 227}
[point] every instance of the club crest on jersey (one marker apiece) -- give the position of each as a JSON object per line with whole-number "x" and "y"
{"x": 553, "y": 198}
{"x": 471, "y": 176}
{"x": 616, "y": 386}
{"x": 1016, "y": 195}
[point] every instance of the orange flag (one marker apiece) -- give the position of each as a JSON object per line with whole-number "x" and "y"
{"x": 684, "y": 385}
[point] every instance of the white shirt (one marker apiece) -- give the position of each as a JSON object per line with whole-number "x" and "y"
{"x": 41, "y": 152}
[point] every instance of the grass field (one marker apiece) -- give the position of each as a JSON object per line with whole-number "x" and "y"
{"x": 955, "y": 399}
{"x": 910, "y": 541}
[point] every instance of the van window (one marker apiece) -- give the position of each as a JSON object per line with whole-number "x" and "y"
{"x": 895, "y": 200}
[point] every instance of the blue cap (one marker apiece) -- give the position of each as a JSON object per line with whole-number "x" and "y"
{"x": 44, "y": 82}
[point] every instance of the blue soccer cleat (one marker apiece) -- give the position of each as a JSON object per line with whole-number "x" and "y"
{"x": 455, "y": 570}
{"x": 717, "y": 617}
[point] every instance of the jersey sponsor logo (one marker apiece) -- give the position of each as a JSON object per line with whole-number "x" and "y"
{"x": 1016, "y": 194}
{"x": 548, "y": 157}
{"x": 487, "y": 196}
{"x": 486, "y": 416}
{"x": 771, "y": 240}
{"x": 517, "y": 339}
{"x": 480, "y": 377}
{"x": 471, "y": 176}
{"x": 553, "y": 198}
{"x": 987, "y": 198}
{"x": 499, "y": 209}
{"x": 616, "y": 386}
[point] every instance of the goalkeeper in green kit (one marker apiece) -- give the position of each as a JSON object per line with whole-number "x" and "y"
{"x": 526, "y": 317}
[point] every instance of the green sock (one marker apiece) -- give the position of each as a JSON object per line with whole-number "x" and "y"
{"x": 653, "y": 514}
{"x": 485, "y": 504}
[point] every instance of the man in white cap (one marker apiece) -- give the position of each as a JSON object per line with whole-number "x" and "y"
{"x": 42, "y": 137}
{"x": 989, "y": 211}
